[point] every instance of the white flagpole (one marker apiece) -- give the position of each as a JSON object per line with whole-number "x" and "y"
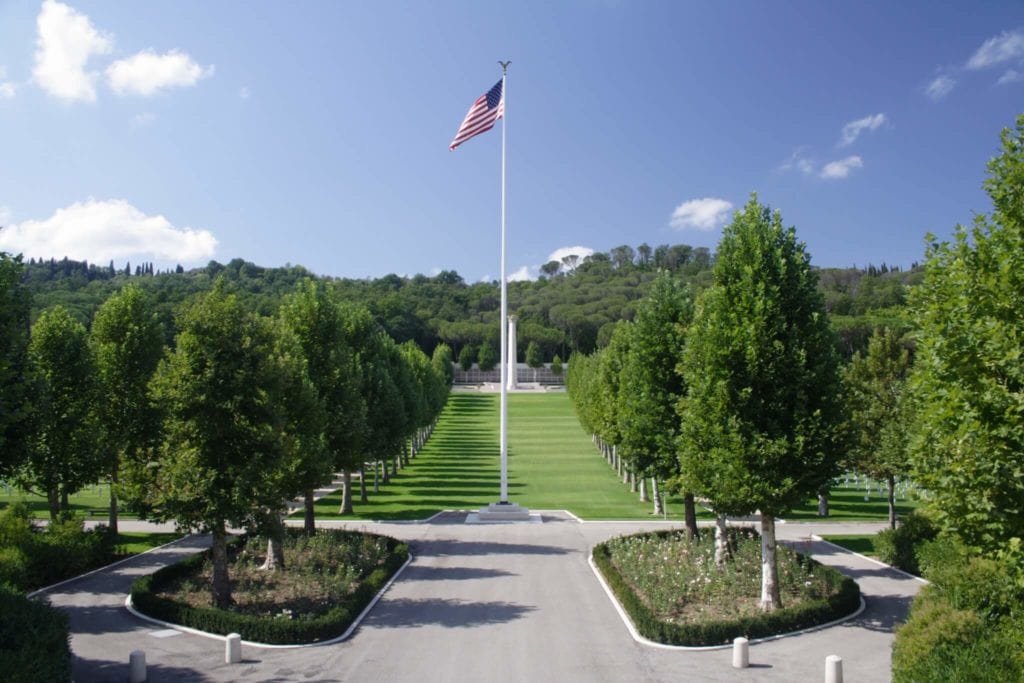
{"x": 504, "y": 301}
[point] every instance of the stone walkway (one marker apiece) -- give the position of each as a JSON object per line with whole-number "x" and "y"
{"x": 507, "y": 602}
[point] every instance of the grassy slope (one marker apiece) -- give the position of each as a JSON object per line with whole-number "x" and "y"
{"x": 552, "y": 465}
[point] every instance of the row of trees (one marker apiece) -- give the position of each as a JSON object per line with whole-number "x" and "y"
{"x": 245, "y": 413}
{"x": 732, "y": 397}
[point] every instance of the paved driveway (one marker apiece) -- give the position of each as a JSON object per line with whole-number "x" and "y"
{"x": 485, "y": 602}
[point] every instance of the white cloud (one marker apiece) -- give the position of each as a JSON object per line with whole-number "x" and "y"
{"x": 580, "y": 253}
{"x": 703, "y": 214}
{"x": 521, "y": 275}
{"x": 102, "y": 230}
{"x": 244, "y": 92}
{"x": 148, "y": 73}
{"x": 7, "y": 90}
{"x": 940, "y": 87}
{"x": 1003, "y": 48}
{"x": 841, "y": 168}
{"x": 66, "y": 42}
{"x": 1011, "y": 76}
{"x": 798, "y": 161}
{"x": 853, "y": 129}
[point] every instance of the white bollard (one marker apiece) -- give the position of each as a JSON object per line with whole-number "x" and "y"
{"x": 137, "y": 667}
{"x": 833, "y": 669}
{"x": 233, "y": 649}
{"x": 740, "y": 653}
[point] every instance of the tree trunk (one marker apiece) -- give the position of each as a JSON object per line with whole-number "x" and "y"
{"x": 275, "y": 543}
{"x": 690, "y": 513}
{"x": 112, "y": 513}
{"x": 221, "y": 587}
{"x": 362, "y": 484}
{"x": 770, "y": 600}
{"x": 394, "y": 465}
{"x": 625, "y": 473}
{"x": 892, "y": 501}
{"x": 65, "y": 506}
{"x": 346, "y": 494}
{"x": 53, "y": 502}
{"x": 309, "y": 515}
{"x": 376, "y": 479}
{"x": 659, "y": 506}
{"x": 823, "y": 505}
{"x": 643, "y": 490}
{"x": 632, "y": 481}
{"x": 384, "y": 469}
{"x": 722, "y": 554}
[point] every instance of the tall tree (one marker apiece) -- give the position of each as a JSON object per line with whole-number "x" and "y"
{"x": 651, "y": 387}
{"x": 968, "y": 370}
{"x": 321, "y": 328}
{"x": 127, "y": 341}
{"x": 222, "y": 392}
{"x": 64, "y": 446}
{"x": 761, "y": 421}
{"x": 875, "y": 385}
{"x": 15, "y": 405}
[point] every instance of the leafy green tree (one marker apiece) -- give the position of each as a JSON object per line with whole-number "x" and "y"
{"x": 466, "y": 356}
{"x": 442, "y": 361}
{"x": 651, "y": 387}
{"x": 761, "y": 421}
{"x": 487, "y": 358}
{"x": 968, "y": 370}
{"x": 64, "y": 447}
{"x": 127, "y": 341}
{"x": 224, "y": 396}
{"x": 875, "y": 390}
{"x": 556, "y": 365}
{"x": 534, "y": 359}
{"x": 324, "y": 333}
{"x": 15, "y": 402}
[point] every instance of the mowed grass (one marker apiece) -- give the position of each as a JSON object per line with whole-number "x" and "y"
{"x": 858, "y": 543}
{"x": 92, "y": 502}
{"x": 847, "y": 504}
{"x": 552, "y": 466}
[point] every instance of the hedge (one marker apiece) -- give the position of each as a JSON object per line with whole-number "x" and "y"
{"x": 34, "y": 640}
{"x": 270, "y": 630}
{"x": 722, "y": 631}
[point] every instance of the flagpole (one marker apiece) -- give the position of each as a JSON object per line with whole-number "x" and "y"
{"x": 504, "y": 301}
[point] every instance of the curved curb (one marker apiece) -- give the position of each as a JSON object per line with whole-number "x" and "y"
{"x": 268, "y": 646}
{"x": 818, "y": 538}
{"x": 701, "y": 648}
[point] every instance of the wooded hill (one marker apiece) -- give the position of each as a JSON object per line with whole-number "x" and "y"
{"x": 573, "y": 306}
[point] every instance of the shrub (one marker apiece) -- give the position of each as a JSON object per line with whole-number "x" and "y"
{"x": 843, "y": 600}
{"x": 940, "y": 642}
{"x": 899, "y": 546}
{"x": 258, "y": 628}
{"x": 33, "y": 640}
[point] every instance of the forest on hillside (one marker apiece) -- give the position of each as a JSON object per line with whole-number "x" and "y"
{"x": 572, "y": 307}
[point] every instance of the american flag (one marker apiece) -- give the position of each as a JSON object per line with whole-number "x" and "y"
{"x": 482, "y": 116}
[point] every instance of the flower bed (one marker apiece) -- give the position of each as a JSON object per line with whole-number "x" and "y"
{"x": 330, "y": 578}
{"x": 674, "y": 593}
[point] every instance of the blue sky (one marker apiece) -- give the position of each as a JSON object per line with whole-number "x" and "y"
{"x": 317, "y": 133}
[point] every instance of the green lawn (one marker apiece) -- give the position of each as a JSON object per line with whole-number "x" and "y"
{"x": 135, "y": 542}
{"x": 858, "y": 543}
{"x": 847, "y": 504}
{"x": 552, "y": 465}
{"x": 92, "y": 502}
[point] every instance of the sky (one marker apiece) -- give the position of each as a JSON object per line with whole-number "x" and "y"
{"x": 317, "y": 133}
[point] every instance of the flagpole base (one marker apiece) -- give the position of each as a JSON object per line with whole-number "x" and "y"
{"x": 502, "y": 512}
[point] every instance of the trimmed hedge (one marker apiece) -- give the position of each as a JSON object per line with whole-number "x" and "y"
{"x": 899, "y": 546}
{"x": 270, "y": 630}
{"x": 34, "y": 640}
{"x": 722, "y": 632}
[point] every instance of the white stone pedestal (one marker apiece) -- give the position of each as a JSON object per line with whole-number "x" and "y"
{"x": 502, "y": 512}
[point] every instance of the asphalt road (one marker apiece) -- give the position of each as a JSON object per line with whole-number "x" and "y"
{"x": 510, "y": 602}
